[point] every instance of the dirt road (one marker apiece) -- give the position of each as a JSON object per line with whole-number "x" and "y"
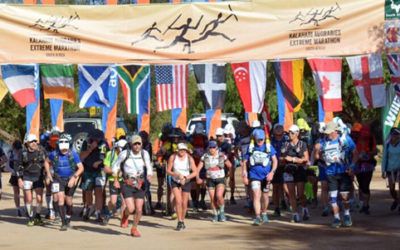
{"x": 380, "y": 230}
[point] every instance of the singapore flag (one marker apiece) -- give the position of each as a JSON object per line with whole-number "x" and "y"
{"x": 251, "y": 82}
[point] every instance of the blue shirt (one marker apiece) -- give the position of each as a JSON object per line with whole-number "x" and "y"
{"x": 259, "y": 172}
{"x": 391, "y": 159}
{"x": 348, "y": 146}
{"x": 64, "y": 169}
{"x": 278, "y": 145}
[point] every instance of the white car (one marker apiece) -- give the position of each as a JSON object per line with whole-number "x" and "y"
{"x": 226, "y": 118}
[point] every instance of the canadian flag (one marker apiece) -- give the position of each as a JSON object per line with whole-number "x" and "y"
{"x": 251, "y": 82}
{"x": 327, "y": 73}
{"x": 367, "y": 73}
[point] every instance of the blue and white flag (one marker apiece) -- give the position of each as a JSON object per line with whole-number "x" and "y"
{"x": 93, "y": 86}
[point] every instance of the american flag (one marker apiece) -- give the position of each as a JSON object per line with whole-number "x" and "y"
{"x": 171, "y": 86}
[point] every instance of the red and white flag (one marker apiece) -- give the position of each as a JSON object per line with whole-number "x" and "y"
{"x": 327, "y": 73}
{"x": 251, "y": 82}
{"x": 367, "y": 73}
{"x": 171, "y": 86}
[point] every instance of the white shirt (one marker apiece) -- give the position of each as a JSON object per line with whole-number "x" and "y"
{"x": 181, "y": 167}
{"x": 134, "y": 165}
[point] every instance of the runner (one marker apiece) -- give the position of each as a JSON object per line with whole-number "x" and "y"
{"x": 30, "y": 168}
{"x": 261, "y": 174}
{"x": 92, "y": 156}
{"x": 13, "y": 157}
{"x": 131, "y": 164}
{"x": 67, "y": 167}
{"x": 294, "y": 154}
{"x": 366, "y": 147}
{"x": 182, "y": 168}
{"x": 214, "y": 162}
{"x": 391, "y": 166}
{"x": 146, "y": 145}
{"x": 277, "y": 142}
{"x": 199, "y": 141}
{"x": 322, "y": 173}
{"x": 229, "y": 135}
{"x": 333, "y": 150}
{"x": 111, "y": 157}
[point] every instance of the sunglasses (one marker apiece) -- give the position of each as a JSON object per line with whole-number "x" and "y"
{"x": 137, "y": 143}
{"x": 278, "y": 134}
{"x": 33, "y": 141}
{"x": 212, "y": 147}
{"x": 63, "y": 141}
{"x": 292, "y": 133}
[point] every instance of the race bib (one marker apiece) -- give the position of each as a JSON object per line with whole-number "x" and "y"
{"x": 28, "y": 185}
{"x": 332, "y": 154}
{"x": 55, "y": 187}
{"x": 216, "y": 174}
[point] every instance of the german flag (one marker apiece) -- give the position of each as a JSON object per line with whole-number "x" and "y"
{"x": 289, "y": 77}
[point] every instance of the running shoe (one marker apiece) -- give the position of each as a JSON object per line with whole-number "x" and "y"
{"x": 336, "y": 223}
{"x": 18, "y": 212}
{"x": 232, "y": 201}
{"x": 394, "y": 205}
{"x": 215, "y": 218}
{"x": 64, "y": 227}
{"x": 325, "y": 212}
{"x": 257, "y": 221}
{"x": 277, "y": 213}
{"x": 68, "y": 222}
{"x": 124, "y": 220}
{"x": 283, "y": 205}
{"x": 195, "y": 206}
{"x": 365, "y": 210}
{"x": 107, "y": 218}
{"x": 203, "y": 205}
{"x": 183, "y": 225}
{"x": 265, "y": 218}
{"x": 85, "y": 215}
{"x": 347, "y": 221}
{"x": 31, "y": 223}
{"x": 174, "y": 216}
{"x": 38, "y": 221}
{"x": 222, "y": 217}
{"x": 295, "y": 218}
{"x": 180, "y": 226}
{"x": 135, "y": 232}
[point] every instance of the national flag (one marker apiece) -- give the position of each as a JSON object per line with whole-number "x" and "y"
{"x": 251, "y": 82}
{"x": 143, "y": 121}
{"x": 327, "y": 74}
{"x": 322, "y": 115}
{"x": 171, "y": 86}
{"x": 109, "y": 118}
{"x": 111, "y": 2}
{"x": 33, "y": 109}
{"x": 367, "y": 73}
{"x": 57, "y": 113}
{"x": 285, "y": 113}
{"x": 20, "y": 81}
{"x": 141, "y": 1}
{"x": 58, "y": 81}
{"x": 135, "y": 83}
{"x": 394, "y": 68}
{"x": 93, "y": 85}
{"x": 3, "y": 88}
{"x": 46, "y": 2}
{"x": 289, "y": 76}
{"x": 250, "y": 117}
{"x": 211, "y": 81}
{"x": 178, "y": 118}
{"x": 266, "y": 119}
{"x": 213, "y": 121}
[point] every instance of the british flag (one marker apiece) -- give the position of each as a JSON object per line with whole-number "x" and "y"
{"x": 394, "y": 68}
{"x": 171, "y": 86}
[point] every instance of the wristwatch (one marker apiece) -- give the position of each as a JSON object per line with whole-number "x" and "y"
{"x": 273, "y": 171}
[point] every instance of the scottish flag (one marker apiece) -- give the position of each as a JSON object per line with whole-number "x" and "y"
{"x": 94, "y": 82}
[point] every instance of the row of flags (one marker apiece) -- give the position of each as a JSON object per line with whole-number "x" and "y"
{"x": 98, "y": 87}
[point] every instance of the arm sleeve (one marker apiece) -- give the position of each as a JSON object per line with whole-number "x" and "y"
{"x": 116, "y": 165}
{"x": 148, "y": 163}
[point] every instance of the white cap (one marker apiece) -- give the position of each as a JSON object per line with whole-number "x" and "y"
{"x": 322, "y": 127}
{"x": 294, "y": 128}
{"x": 199, "y": 129}
{"x": 182, "y": 145}
{"x": 229, "y": 129}
{"x": 220, "y": 131}
{"x": 255, "y": 124}
{"x": 31, "y": 137}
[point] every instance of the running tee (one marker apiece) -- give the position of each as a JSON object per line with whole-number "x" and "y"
{"x": 335, "y": 153}
{"x": 259, "y": 171}
{"x": 64, "y": 169}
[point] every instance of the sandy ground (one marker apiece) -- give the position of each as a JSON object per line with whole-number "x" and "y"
{"x": 380, "y": 230}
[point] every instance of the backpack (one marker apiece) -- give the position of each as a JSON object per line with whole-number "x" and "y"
{"x": 56, "y": 161}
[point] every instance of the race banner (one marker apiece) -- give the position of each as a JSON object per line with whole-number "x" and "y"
{"x": 202, "y": 32}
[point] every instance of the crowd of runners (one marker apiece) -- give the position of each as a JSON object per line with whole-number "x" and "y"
{"x": 288, "y": 164}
